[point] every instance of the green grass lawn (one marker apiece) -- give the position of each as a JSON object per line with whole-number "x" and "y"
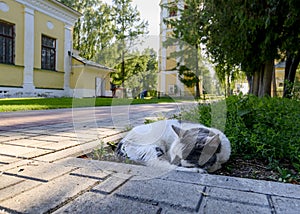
{"x": 24, "y": 104}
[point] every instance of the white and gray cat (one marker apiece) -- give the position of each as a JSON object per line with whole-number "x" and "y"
{"x": 175, "y": 144}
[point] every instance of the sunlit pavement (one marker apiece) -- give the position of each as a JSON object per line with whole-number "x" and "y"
{"x": 40, "y": 171}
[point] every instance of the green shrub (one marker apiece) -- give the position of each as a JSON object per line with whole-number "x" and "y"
{"x": 263, "y": 128}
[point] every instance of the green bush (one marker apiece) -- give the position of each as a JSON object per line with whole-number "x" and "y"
{"x": 263, "y": 128}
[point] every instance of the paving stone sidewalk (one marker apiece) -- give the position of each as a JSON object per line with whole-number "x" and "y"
{"x": 40, "y": 173}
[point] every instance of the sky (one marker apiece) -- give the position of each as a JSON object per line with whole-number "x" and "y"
{"x": 150, "y": 11}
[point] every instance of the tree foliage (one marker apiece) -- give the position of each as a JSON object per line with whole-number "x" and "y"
{"x": 254, "y": 34}
{"x": 94, "y": 30}
{"x": 128, "y": 26}
{"x": 246, "y": 34}
{"x": 141, "y": 72}
{"x": 106, "y": 34}
{"x": 188, "y": 36}
{"x": 127, "y": 20}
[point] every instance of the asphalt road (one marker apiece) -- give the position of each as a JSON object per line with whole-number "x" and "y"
{"x": 112, "y": 116}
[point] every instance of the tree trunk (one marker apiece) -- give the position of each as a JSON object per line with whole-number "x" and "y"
{"x": 197, "y": 95}
{"x": 292, "y": 63}
{"x": 197, "y": 74}
{"x": 250, "y": 83}
{"x": 262, "y": 80}
{"x": 267, "y": 78}
{"x": 228, "y": 85}
{"x": 255, "y": 83}
{"x": 124, "y": 95}
{"x": 274, "y": 83}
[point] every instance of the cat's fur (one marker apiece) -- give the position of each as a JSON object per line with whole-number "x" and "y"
{"x": 169, "y": 143}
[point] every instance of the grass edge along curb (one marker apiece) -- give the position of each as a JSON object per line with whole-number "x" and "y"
{"x": 25, "y": 104}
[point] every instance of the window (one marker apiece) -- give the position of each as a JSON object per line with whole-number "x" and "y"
{"x": 48, "y": 53}
{"x": 7, "y": 43}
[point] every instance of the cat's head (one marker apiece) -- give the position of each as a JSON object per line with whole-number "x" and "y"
{"x": 198, "y": 147}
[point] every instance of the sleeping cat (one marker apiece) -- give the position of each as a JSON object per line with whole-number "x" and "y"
{"x": 172, "y": 143}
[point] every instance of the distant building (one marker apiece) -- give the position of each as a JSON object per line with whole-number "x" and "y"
{"x": 279, "y": 75}
{"x": 168, "y": 81}
{"x": 36, "y": 55}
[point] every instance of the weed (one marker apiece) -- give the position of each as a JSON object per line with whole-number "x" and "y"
{"x": 263, "y": 128}
{"x": 286, "y": 175}
{"x": 127, "y": 128}
{"x": 154, "y": 119}
{"x": 100, "y": 151}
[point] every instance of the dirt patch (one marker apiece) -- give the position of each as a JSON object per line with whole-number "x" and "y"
{"x": 235, "y": 167}
{"x": 106, "y": 154}
{"x": 259, "y": 169}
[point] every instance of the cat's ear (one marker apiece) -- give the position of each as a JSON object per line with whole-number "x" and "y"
{"x": 209, "y": 149}
{"x": 178, "y": 130}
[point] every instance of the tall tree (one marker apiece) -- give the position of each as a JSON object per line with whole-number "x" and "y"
{"x": 291, "y": 46}
{"x": 188, "y": 34}
{"x": 128, "y": 27}
{"x": 251, "y": 34}
{"x": 97, "y": 30}
{"x": 141, "y": 72}
{"x": 244, "y": 34}
{"x": 109, "y": 56}
{"x": 94, "y": 30}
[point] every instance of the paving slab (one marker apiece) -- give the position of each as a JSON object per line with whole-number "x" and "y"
{"x": 75, "y": 151}
{"x": 40, "y": 171}
{"x": 286, "y": 205}
{"x": 17, "y": 188}
{"x": 112, "y": 183}
{"x": 247, "y": 185}
{"x": 22, "y": 152}
{"x": 53, "y": 138}
{"x": 46, "y": 145}
{"x": 215, "y": 205}
{"x": 70, "y": 134}
{"x": 48, "y": 196}
{"x": 7, "y": 181}
{"x": 4, "y": 160}
{"x": 91, "y": 173}
{"x": 138, "y": 171}
{"x": 184, "y": 196}
{"x": 28, "y": 142}
{"x": 4, "y": 139}
{"x": 97, "y": 203}
{"x": 19, "y": 162}
{"x": 233, "y": 201}
{"x": 32, "y": 131}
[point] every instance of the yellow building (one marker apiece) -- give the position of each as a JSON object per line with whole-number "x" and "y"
{"x": 36, "y": 56}
{"x": 168, "y": 78}
{"x": 89, "y": 79}
{"x": 279, "y": 75}
{"x": 168, "y": 81}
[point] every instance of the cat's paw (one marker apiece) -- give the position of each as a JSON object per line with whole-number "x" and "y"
{"x": 159, "y": 151}
{"x": 197, "y": 170}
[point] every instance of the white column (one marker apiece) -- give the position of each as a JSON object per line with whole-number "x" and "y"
{"x": 163, "y": 82}
{"x": 67, "y": 58}
{"x": 28, "y": 50}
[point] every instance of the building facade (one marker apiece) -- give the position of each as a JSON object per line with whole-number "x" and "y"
{"x": 168, "y": 81}
{"x": 36, "y": 55}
